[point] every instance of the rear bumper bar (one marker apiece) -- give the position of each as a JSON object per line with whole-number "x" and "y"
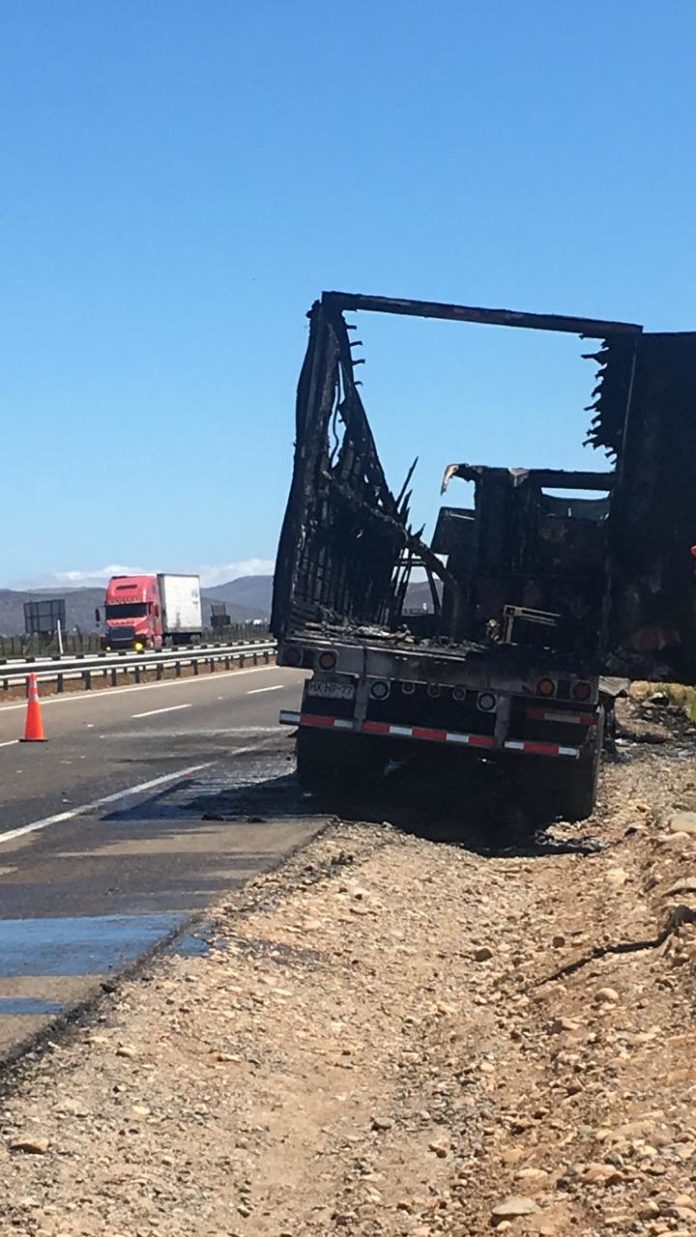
{"x": 424, "y": 733}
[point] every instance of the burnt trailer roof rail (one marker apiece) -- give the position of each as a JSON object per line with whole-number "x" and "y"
{"x": 591, "y": 328}
{"x": 552, "y": 478}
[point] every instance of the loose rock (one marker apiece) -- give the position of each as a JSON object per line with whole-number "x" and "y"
{"x": 515, "y": 1205}
{"x": 684, "y": 822}
{"x": 30, "y": 1145}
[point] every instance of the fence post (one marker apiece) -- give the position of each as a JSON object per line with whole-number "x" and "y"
{"x": 87, "y": 679}
{"x": 60, "y": 683}
{"x": 177, "y": 669}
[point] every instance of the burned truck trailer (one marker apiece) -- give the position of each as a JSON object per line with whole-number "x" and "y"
{"x": 534, "y": 595}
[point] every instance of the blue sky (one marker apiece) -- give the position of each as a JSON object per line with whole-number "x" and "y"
{"x": 179, "y": 180}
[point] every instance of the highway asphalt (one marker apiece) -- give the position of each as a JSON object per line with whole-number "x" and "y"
{"x": 145, "y": 805}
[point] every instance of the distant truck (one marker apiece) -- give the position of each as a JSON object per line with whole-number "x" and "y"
{"x": 151, "y": 611}
{"x": 547, "y": 582}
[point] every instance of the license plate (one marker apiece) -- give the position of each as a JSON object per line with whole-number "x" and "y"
{"x": 331, "y": 689}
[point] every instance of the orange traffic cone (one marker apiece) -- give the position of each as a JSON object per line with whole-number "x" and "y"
{"x": 33, "y": 729}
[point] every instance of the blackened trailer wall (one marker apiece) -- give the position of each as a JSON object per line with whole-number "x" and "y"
{"x": 345, "y": 534}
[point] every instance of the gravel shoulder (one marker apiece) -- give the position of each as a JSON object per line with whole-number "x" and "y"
{"x": 395, "y": 1036}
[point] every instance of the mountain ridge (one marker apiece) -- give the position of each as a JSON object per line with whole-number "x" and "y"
{"x": 247, "y": 598}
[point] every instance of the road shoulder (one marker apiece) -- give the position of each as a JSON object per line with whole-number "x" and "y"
{"x": 392, "y": 1036}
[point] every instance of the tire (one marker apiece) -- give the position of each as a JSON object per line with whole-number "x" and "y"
{"x": 558, "y": 788}
{"x": 573, "y": 790}
{"x": 579, "y": 790}
{"x": 338, "y": 763}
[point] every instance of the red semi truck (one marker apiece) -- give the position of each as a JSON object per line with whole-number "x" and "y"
{"x": 150, "y": 611}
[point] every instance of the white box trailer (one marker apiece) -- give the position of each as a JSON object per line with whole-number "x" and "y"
{"x": 182, "y": 614}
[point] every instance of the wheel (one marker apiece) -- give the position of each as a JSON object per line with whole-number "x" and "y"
{"x": 313, "y": 760}
{"x": 571, "y": 791}
{"x": 578, "y": 789}
{"x": 342, "y": 763}
{"x": 556, "y": 787}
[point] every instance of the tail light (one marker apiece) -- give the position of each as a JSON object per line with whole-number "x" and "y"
{"x": 546, "y": 687}
{"x": 434, "y": 690}
{"x": 459, "y": 693}
{"x": 582, "y": 691}
{"x": 486, "y": 702}
{"x": 327, "y": 660}
{"x": 379, "y": 690}
{"x": 408, "y": 689}
{"x": 291, "y": 655}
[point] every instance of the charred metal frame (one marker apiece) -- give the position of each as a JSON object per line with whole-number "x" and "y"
{"x": 347, "y": 546}
{"x": 590, "y": 328}
{"x": 345, "y": 533}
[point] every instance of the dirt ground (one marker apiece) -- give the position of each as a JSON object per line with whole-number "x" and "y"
{"x": 396, "y": 1036}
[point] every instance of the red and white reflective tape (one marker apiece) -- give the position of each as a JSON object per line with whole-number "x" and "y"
{"x": 533, "y": 748}
{"x": 554, "y": 715}
{"x": 387, "y": 728}
{"x": 289, "y": 718}
{"x": 433, "y": 736}
{"x": 430, "y": 735}
{"x": 530, "y": 747}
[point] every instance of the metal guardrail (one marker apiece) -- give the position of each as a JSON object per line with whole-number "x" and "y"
{"x": 49, "y": 659}
{"x": 107, "y": 666}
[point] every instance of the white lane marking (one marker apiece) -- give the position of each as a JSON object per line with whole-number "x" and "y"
{"x": 275, "y": 688}
{"x": 107, "y": 692}
{"x": 88, "y": 807}
{"x": 172, "y": 708}
{"x": 9, "y": 742}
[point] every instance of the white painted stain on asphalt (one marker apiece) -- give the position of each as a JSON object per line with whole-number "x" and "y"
{"x": 172, "y": 708}
{"x": 9, "y": 742}
{"x": 275, "y": 688}
{"x": 97, "y": 803}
